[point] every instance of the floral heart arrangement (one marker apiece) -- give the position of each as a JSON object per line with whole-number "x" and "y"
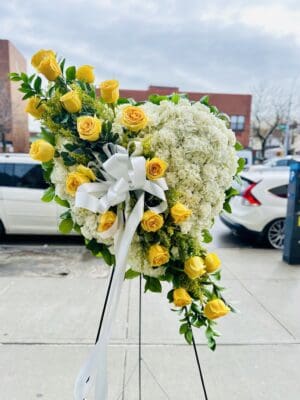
{"x": 142, "y": 182}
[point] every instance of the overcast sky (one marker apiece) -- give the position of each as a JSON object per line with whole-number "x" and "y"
{"x": 219, "y": 46}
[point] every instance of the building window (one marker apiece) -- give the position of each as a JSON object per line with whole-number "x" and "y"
{"x": 237, "y": 122}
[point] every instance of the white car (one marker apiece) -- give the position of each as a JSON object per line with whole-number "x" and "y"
{"x": 276, "y": 162}
{"x": 260, "y": 209}
{"x": 21, "y": 188}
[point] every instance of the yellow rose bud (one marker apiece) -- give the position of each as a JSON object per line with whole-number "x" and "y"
{"x": 109, "y": 91}
{"x": 155, "y": 168}
{"x": 215, "y": 309}
{"x": 38, "y": 57}
{"x": 87, "y": 172}
{"x": 158, "y": 255}
{"x": 71, "y": 102}
{"x": 212, "y": 262}
{"x": 194, "y": 267}
{"x": 151, "y": 221}
{"x": 41, "y": 150}
{"x": 73, "y": 181}
{"x": 85, "y": 73}
{"x": 106, "y": 221}
{"x": 89, "y": 128}
{"x": 50, "y": 68}
{"x": 134, "y": 118}
{"x": 181, "y": 298}
{"x": 34, "y": 107}
{"x": 180, "y": 213}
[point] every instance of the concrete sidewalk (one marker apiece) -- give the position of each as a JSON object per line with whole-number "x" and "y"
{"x": 50, "y": 302}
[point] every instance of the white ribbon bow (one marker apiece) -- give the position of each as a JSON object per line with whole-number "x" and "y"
{"x": 123, "y": 174}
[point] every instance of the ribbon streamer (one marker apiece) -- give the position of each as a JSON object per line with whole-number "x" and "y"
{"x": 123, "y": 174}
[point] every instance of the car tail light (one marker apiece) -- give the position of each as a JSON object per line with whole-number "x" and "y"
{"x": 248, "y": 198}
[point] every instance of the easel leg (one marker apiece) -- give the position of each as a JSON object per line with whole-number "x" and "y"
{"x": 140, "y": 337}
{"x": 199, "y": 368}
{"x": 105, "y": 304}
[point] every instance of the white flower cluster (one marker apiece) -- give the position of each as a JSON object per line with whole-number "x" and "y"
{"x": 199, "y": 150}
{"x": 202, "y": 161}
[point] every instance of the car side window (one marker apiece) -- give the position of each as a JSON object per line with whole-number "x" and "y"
{"x": 6, "y": 174}
{"x": 280, "y": 191}
{"x": 29, "y": 176}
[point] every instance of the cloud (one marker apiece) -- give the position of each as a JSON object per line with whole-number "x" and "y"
{"x": 196, "y": 45}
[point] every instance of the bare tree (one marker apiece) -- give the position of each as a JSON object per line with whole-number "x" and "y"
{"x": 5, "y": 113}
{"x": 272, "y": 108}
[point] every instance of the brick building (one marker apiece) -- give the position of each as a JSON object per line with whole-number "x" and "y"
{"x": 13, "y": 119}
{"x": 237, "y": 106}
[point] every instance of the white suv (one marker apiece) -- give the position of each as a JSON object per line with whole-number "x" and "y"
{"x": 260, "y": 210}
{"x": 21, "y": 188}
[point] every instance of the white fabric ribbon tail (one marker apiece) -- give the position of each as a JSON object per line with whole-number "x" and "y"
{"x": 123, "y": 174}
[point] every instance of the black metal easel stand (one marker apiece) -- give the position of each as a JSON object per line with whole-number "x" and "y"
{"x": 140, "y": 338}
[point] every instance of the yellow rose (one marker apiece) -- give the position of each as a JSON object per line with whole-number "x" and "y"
{"x": 74, "y": 180}
{"x": 50, "y": 68}
{"x": 158, "y": 255}
{"x": 89, "y": 128}
{"x": 38, "y": 57}
{"x": 194, "y": 267}
{"x": 181, "y": 298}
{"x": 215, "y": 309}
{"x": 41, "y": 150}
{"x": 109, "y": 91}
{"x": 34, "y": 107}
{"x": 87, "y": 172}
{"x": 151, "y": 221}
{"x": 212, "y": 262}
{"x": 85, "y": 73}
{"x": 71, "y": 102}
{"x": 180, "y": 213}
{"x": 134, "y": 118}
{"x": 106, "y": 221}
{"x": 155, "y": 168}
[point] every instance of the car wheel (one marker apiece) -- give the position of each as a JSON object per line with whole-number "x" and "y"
{"x": 274, "y": 233}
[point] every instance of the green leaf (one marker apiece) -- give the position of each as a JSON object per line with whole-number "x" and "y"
{"x": 28, "y": 95}
{"x": 48, "y": 136}
{"x": 184, "y": 328}
{"x": 152, "y": 284}
{"x": 175, "y": 98}
{"x": 66, "y": 226}
{"x": 189, "y": 336}
{"x": 231, "y": 192}
{"x": 107, "y": 256}
{"x": 48, "y": 194}
{"x": 217, "y": 275}
{"x": 170, "y": 296}
{"x": 238, "y": 146}
{"x": 241, "y": 164}
{"x": 196, "y": 308}
{"x": 131, "y": 274}
{"x": 24, "y": 76}
{"x": 205, "y": 100}
{"x": 207, "y": 237}
{"x": 71, "y": 73}
{"x": 227, "y": 207}
{"x": 37, "y": 84}
{"x": 61, "y": 202}
{"x": 62, "y": 65}
{"x": 122, "y": 100}
{"x": 66, "y": 215}
{"x": 68, "y": 160}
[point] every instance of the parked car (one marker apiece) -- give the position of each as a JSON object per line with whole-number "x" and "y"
{"x": 260, "y": 209}
{"x": 21, "y": 188}
{"x": 276, "y": 162}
